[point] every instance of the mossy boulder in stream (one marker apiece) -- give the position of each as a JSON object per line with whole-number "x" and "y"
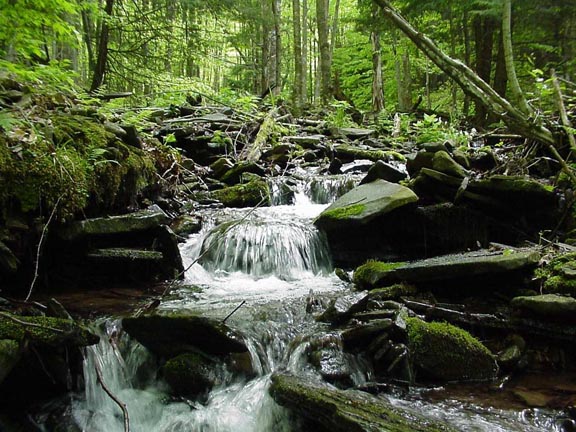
{"x": 443, "y": 352}
{"x": 189, "y": 374}
{"x": 171, "y": 335}
{"x": 328, "y": 409}
{"x": 364, "y": 203}
{"x": 559, "y": 276}
{"x": 243, "y": 195}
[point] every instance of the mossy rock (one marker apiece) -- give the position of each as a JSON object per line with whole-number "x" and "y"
{"x": 547, "y": 306}
{"x": 244, "y": 195}
{"x": 364, "y": 203}
{"x": 189, "y": 374}
{"x": 393, "y": 292}
{"x": 368, "y": 275}
{"x": 329, "y": 409}
{"x": 174, "y": 334}
{"x": 9, "y": 356}
{"x": 443, "y": 352}
{"x": 444, "y": 163}
{"x": 54, "y": 332}
{"x": 559, "y": 276}
{"x": 347, "y": 152}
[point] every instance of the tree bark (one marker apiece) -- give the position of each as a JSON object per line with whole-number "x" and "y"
{"x": 102, "y": 60}
{"x": 322, "y": 9}
{"x": 517, "y": 95}
{"x": 483, "y": 41}
{"x": 299, "y": 67}
{"x": 377, "y": 80}
{"x": 470, "y": 82}
{"x": 277, "y": 49}
{"x": 305, "y": 79}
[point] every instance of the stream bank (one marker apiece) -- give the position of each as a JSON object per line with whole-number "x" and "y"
{"x": 301, "y": 317}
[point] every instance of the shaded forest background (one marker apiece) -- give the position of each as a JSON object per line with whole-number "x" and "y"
{"x": 307, "y": 52}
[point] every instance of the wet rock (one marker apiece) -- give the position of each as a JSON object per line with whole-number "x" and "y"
{"x": 221, "y": 167}
{"x": 175, "y": 334}
{"x": 393, "y": 292}
{"x": 342, "y": 275}
{"x": 458, "y": 266}
{"x": 329, "y": 409}
{"x": 358, "y": 337}
{"x": 547, "y": 306}
{"x": 509, "y": 358}
{"x": 363, "y": 204}
{"x": 356, "y": 133}
{"x": 306, "y": 141}
{"x": 332, "y": 365}
{"x": 415, "y": 162}
{"x": 443, "y": 352}
{"x": 382, "y": 170}
{"x": 186, "y": 224}
{"x": 130, "y": 223}
{"x": 342, "y": 308}
{"x": 9, "y": 356}
{"x": 335, "y": 166}
{"x": 189, "y": 374}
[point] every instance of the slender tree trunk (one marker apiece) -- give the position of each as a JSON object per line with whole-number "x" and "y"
{"x": 102, "y": 60}
{"x": 277, "y": 49}
{"x": 305, "y": 50}
{"x": 517, "y": 95}
{"x": 334, "y": 30}
{"x": 298, "y": 93}
{"x": 377, "y": 80}
{"x": 470, "y": 82}
{"x": 322, "y": 10}
{"x": 467, "y": 57}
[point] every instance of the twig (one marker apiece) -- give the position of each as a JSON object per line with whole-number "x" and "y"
{"x": 112, "y": 396}
{"x": 567, "y": 126}
{"x": 40, "y": 243}
{"x": 234, "y": 311}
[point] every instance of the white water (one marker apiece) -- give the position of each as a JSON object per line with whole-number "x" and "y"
{"x": 271, "y": 259}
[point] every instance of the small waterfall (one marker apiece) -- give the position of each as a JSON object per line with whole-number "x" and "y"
{"x": 317, "y": 189}
{"x": 283, "y": 248}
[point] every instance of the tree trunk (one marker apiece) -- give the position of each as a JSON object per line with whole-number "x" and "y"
{"x": 334, "y": 30}
{"x": 518, "y": 98}
{"x": 277, "y": 48}
{"x": 484, "y": 41}
{"x": 322, "y": 9}
{"x": 299, "y": 66}
{"x": 102, "y": 60}
{"x": 377, "y": 81}
{"x": 470, "y": 82}
{"x": 305, "y": 50}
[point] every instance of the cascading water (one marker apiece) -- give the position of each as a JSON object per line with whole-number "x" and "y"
{"x": 270, "y": 258}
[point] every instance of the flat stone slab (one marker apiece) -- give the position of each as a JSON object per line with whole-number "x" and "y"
{"x": 551, "y": 306}
{"x": 175, "y": 334}
{"x": 122, "y": 254}
{"x": 133, "y": 222}
{"x": 354, "y": 133}
{"x": 466, "y": 265}
{"x": 347, "y": 410}
{"x": 364, "y": 203}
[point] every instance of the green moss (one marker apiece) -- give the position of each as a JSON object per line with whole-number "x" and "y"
{"x": 344, "y": 212}
{"x": 443, "y": 351}
{"x": 189, "y": 374}
{"x": 45, "y": 331}
{"x": 393, "y": 292}
{"x": 369, "y": 275}
{"x": 559, "y": 276}
{"x": 244, "y": 195}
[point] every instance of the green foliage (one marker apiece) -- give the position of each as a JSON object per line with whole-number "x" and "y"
{"x": 432, "y": 129}
{"x": 338, "y": 116}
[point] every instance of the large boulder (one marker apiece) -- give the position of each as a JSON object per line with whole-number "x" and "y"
{"x": 329, "y": 409}
{"x": 443, "y": 352}
{"x": 466, "y": 266}
{"x": 364, "y": 203}
{"x": 171, "y": 335}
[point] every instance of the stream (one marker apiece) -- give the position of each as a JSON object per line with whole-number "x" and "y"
{"x": 275, "y": 261}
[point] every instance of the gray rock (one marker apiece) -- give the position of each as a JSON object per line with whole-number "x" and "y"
{"x": 356, "y": 133}
{"x": 444, "y": 163}
{"x": 175, "y": 334}
{"x": 342, "y": 308}
{"x": 447, "y": 267}
{"x": 130, "y": 223}
{"x": 382, "y": 170}
{"x": 548, "y": 306}
{"x": 364, "y": 203}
